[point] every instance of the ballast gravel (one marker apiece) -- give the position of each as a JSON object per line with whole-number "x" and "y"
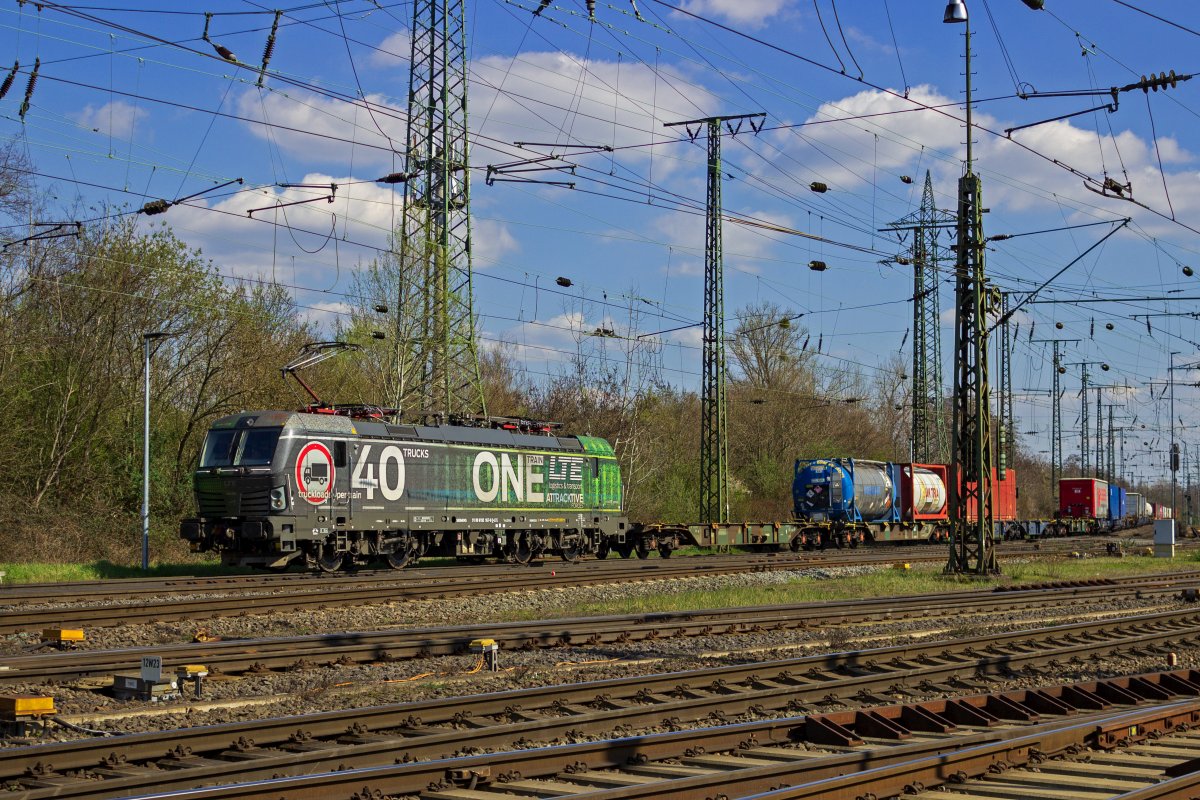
{"x": 322, "y": 688}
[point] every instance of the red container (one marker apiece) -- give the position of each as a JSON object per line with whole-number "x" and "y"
{"x": 923, "y": 498}
{"x": 1083, "y": 498}
{"x": 1004, "y": 496}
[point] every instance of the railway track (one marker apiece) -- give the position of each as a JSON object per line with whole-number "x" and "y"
{"x": 344, "y": 649}
{"x": 97, "y": 604}
{"x": 343, "y": 751}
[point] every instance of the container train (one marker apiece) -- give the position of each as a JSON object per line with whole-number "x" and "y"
{"x": 334, "y": 488}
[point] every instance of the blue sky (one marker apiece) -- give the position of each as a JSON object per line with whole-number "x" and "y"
{"x": 130, "y": 106}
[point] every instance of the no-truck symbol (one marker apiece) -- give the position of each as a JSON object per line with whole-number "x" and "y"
{"x": 314, "y": 473}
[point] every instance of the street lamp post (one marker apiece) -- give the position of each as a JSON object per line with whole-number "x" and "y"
{"x": 146, "y": 339}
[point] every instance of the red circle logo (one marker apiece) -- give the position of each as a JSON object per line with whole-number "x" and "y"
{"x": 314, "y": 473}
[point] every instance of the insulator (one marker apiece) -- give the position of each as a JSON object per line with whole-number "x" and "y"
{"x": 29, "y": 87}
{"x": 269, "y": 49}
{"x": 906, "y": 179}
{"x": 564, "y": 282}
{"x": 1108, "y": 326}
{"x": 818, "y": 187}
{"x": 1148, "y": 329}
{"x": 818, "y": 266}
{"x": 8, "y": 79}
{"x": 591, "y": 9}
{"x": 378, "y": 335}
{"x": 1186, "y": 270}
{"x": 1000, "y": 237}
{"x": 381, "y": 308}
{"x": 1036, "y": 5}
{"x": 395, "y": 177}
{"x": 155, "y": 207}
{"x": 1058, "y": 325}
{"x": 545, "y": 4}
{"x": 1162, "y": 80}
{"x": 224, "y": 52}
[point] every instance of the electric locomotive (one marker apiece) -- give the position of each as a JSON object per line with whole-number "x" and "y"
{"x": 339, "y": 487}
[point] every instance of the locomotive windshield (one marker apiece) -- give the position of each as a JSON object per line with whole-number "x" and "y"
{"x": 243, "y": 447}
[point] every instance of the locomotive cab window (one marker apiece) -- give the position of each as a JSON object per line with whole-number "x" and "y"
{"x": 248, "y": 447}
{"x": 339, "y": 453}
{"x": 218, "y": 448}
{"x": 257, "y": 447}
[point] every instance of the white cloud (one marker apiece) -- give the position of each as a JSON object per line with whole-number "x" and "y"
{"x": 561, "y": 97}
{"x": 322, "y": 130}
{"x": 117, "y": 119}
{"x": 1016, "y": 175}
{"x": 746, "y": 13}
{"x": 394, "y": 51}
{"x": 316, "y": 244}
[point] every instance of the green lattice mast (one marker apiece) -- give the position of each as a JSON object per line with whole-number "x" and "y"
{"x": 435, "y": 246}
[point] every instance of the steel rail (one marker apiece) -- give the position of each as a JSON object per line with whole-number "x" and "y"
{"x": 21, "y": 620}
{"x": 887, "y": 759}
{"x": 389, "y": 645}
{"x": 125, "y": 588}
{"x": 437, "y": 727}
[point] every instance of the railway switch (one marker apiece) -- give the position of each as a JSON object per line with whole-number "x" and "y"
{"x": 489, "y": 650}
{"x": 63, "y": 638}
{"x": 20, "y": 712}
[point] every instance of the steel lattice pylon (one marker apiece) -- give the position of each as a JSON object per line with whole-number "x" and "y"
{"x": 714, "y": 433}
{"x": 1056, "y": 446}
{"x": 1085, "y": 456}
{"x": 1006, "y": 424}
{"x": 435, "y": 245}
{"x": 971, "y": 491}
{"x": 929, "y": 433}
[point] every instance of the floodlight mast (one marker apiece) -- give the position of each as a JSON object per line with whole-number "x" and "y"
{"x": 971, "y": 513}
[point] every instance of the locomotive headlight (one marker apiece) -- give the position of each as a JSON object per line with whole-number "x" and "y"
{"x": 279, "y": 498}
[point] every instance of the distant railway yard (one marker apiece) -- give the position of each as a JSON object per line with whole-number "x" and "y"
{"x": 849, "y": 674}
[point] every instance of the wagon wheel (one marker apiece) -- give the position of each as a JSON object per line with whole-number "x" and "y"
{"x": 643, "y": 549}
{"x": 405, "y": 552}
{"x": 795, "y": 544}
{"x": 664, "y": 550}
{"x": 854, "y": 543}
{"x": 329, "y": 559}
{"x": 625, "y": 550}
{"x": 602, "y": 549}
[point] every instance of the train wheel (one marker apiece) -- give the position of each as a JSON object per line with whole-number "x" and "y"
{"x": 795, "y": 544}
{"x": 625, "y": 550}
{"x": 643, "y": 550}
{"x": 602, "y": 550}
{"x": 405, "y": 551}
{"x": 330, "y": 560}
{"x": 664, "y": 551}
{"x": 853, "y": 542}
{"x": 571, "y": 555}
{"x": 839, "y": 541}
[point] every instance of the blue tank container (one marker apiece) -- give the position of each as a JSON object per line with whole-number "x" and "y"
{"x": 846, "y": 490}
{"x": 1116, "y": 502}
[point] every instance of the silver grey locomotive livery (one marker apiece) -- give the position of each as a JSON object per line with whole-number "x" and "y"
{"x": 332, "y": 490}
